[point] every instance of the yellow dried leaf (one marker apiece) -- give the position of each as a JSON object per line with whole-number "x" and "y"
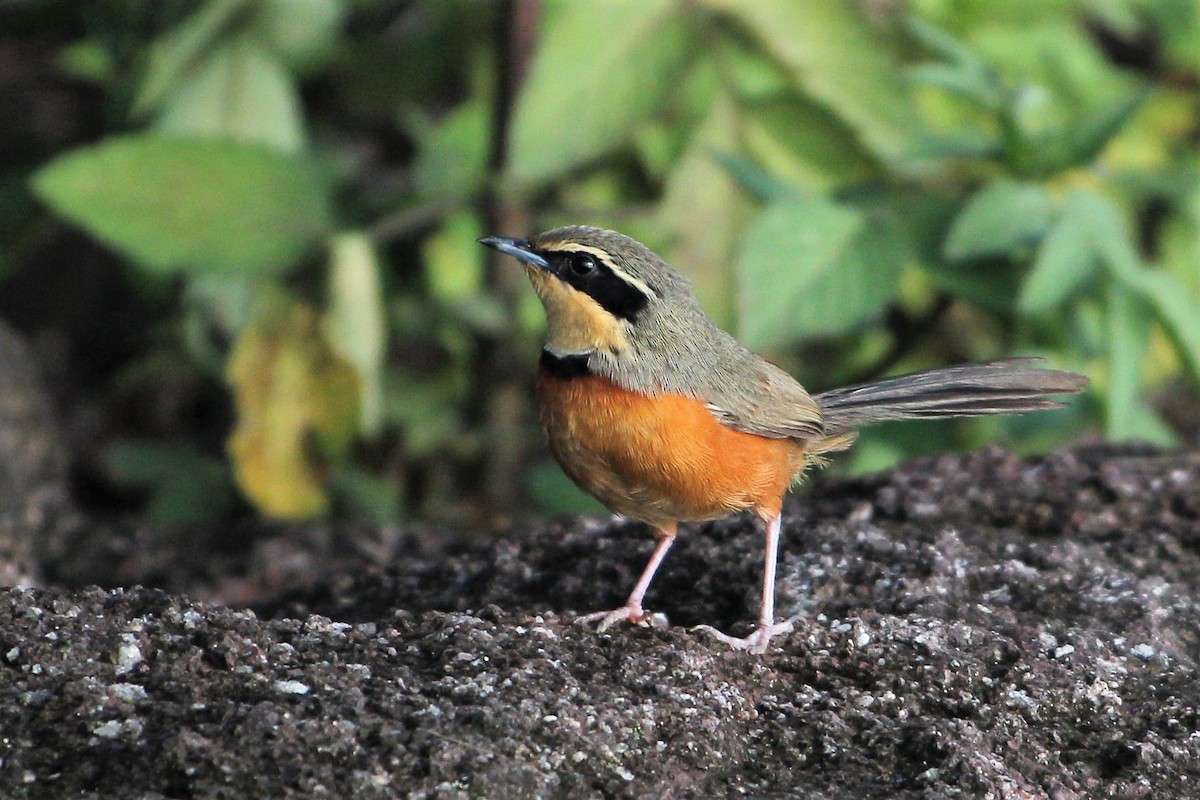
{"x": 297, "y": 409}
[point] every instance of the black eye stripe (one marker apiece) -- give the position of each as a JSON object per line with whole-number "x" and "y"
{"x": 614, "y": 294}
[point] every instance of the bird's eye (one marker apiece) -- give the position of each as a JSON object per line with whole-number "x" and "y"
{"x": 582, "y": 264}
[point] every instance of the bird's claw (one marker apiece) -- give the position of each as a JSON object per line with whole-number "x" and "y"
{"x": 756, "y": 642}
{"x": 635, "y": 614}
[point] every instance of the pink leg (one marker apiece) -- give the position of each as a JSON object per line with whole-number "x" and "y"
{"x": 767, "y": 626}
{"x": 632, "y": 610}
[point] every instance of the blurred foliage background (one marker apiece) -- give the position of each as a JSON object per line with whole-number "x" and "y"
{"x": 242, "y": 232}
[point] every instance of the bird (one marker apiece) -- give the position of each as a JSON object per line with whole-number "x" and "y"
{"x": 665, "y": 418}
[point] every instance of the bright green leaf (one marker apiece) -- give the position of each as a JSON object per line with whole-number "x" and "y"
{"x": 786, "y": 250}
{"x": 1066, "y": 258}
{"x": 1113, "y": 241}
{"x": 999, "y": 218}
{"x": 1176, "y": 308}
{"x": 1128, "y": 419}
{"x": 586, "y": 91}
{"x": 241, "y": 92}
{"x": 454, "y": 262}
{"x": 839, "y": 60}
{"x": 1171, "y": 301}
{"x": 862, "y": 282}
{"x": 190, "y": 203}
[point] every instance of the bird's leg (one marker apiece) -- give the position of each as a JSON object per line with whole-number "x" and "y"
{"x": 767, "y": 626}
{"x": 632, "y": 610}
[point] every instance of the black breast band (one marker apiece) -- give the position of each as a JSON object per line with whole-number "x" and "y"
{"x": 574, "y": 365}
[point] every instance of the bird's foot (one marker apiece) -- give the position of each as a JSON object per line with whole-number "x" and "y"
{"x": 633, "y": 613}
{"x": 755, "y": 642}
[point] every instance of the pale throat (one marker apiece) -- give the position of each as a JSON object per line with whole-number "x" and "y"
{"x": 577, "y": 324}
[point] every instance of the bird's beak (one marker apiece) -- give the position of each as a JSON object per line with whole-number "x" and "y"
{"x": 520, "y": 249}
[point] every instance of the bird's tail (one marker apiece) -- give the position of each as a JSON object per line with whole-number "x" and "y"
{"x": 1007, "y": 386}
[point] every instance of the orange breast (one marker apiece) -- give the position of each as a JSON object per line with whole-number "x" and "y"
{"x": 664, "y": 458}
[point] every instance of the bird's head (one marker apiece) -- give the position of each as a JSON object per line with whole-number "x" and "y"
{"x": 603, "y": 291}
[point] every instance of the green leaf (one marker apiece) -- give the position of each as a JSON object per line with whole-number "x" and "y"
{"x": 454, "y": 265}
{"x": 1128, "y": 339}
{"x": 179, "y": 51}
{"x": 426, "y": 410}
{"x": 185, "y": 486}
{"x": 959, "y": 145}
{"x": 1176, "y": 308}
{"x": 928, "y": 216}
{"x": 1066, "y": 258}
{"x": 839, "y": 61}
{"x": 942, "y": 44}
{"x": 1171, "y": 301}
{"x": 704, "y": 203}
{"x": 786, "y": 250}
{"x": 301, "y": 32}
{"x": 190, "y": 203}
{"x": 802, "y": 144}
{"x": 452, "y": 158}
{"x": 862, "y": 282}
{"x": 992, "y": 285}
{"x": 999, "y": 218}
{"x": 242, "y": 92}
{"x": 751, "y": 177}
{"x": 1095, "y": 130}
{"x": 747, "y": 72}
{"x": 956, "y": 81}
{"x": 88, "y": 60}
{"x": 554, "y": 493}
{"x": 1178, "y": 22}
{"x": 363, "y": 496}
{"x": 585, "y": 91}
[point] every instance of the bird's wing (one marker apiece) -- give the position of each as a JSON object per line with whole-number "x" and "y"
{"x": 770, "y": 403}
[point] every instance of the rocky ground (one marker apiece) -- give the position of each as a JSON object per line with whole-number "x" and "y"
{"x": 979, "y": 626}
{"x": 966, "y": 626}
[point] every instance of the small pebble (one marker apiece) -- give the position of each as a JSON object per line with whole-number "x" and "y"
{"x": 292, "y": 687}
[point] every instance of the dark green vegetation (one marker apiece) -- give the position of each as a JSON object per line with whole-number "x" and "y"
{"x": 278, "y": 296}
